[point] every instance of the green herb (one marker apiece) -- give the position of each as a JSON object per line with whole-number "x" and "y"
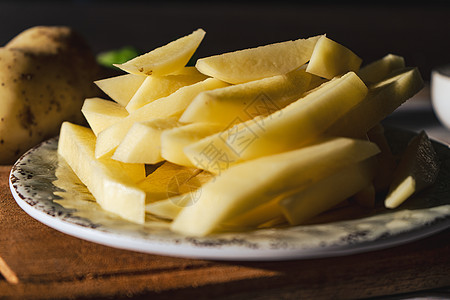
{"x": 118, "y": 56}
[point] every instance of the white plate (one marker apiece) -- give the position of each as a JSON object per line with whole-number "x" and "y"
{"x": 45, "y": 188}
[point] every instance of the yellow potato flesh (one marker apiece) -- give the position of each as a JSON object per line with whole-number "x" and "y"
{"x": 330, "y": 59}
{"x": 271, "y": 141}
{"x": 121, "y": 88}
{"x": 142, "y": 143}
{"x": 255, "y": 217}
{"x": 174, "y": 140}
{"x": 383, "y": 98}
{"x": 109, "y": 181}
{"x": 165, "y": 209}
{"x": 380, "y": 69}
{"x": 191, "y": 71}
{"x": 245, "y": 101}
{"x": 101, "y": 113}
{"x": 328, "y": 192}
{"x": 257, "y": 63}
{"x": 291, "y": 127}
{"x": 170, "y": 106}
{"x": 267, "y": 177}
{"x": 155, "y": 87}
{"x": 166, "y": 59}
{"x": 180, "y": 190}
{"x": 158, "y": 184}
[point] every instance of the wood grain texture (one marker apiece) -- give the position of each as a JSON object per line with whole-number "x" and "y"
{"x": 50, "y": 264}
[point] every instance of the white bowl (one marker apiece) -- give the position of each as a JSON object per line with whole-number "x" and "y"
{"x": 440, "y": 93}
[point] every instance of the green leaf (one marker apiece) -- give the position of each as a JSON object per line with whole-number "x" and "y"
{"x": 118, "y": 56}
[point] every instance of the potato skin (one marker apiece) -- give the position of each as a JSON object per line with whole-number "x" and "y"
{"x": 45, "y": 75}
{"x": 50, "y": 40}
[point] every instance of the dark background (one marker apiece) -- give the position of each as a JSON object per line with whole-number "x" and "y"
{"x": 418, "y": 31}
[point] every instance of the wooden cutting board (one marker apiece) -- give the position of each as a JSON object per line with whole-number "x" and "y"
{"x": 39, "y": 262}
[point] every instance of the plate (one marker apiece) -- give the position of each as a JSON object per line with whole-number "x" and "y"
{"x": 46, "y": 188}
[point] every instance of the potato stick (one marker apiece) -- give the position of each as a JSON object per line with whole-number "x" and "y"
{"x": 121, "y": 88}
{"x": 330, "y": 59}
{"x": 170, "y": 106}
{"x": 165, "y": 209}
{"x": 381, "y": 68}
{"x": 101, "y": 113}
{"x": 228, "y": 195}
{"x": 241, "y": 102}
{"x": 155, "y": 87}
{"x": 328, "y": 192}
{"x": 183, "y": 189}
{"x": 170, "y": 180}
{"x": 294, "y": 126}
{"x": 255, "y": 217}
{"x": 260, "y": 62}
{"x": 165, "y": 59}
{"x": 382, "y": 100}
{"x": 142, "y": 143}
{"x": 113, "y": 189}
{"x": 173, "y": 141}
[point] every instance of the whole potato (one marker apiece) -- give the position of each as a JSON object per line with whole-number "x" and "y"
{"x": 50, "y": 40}
{"x": 45, "y": 75}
